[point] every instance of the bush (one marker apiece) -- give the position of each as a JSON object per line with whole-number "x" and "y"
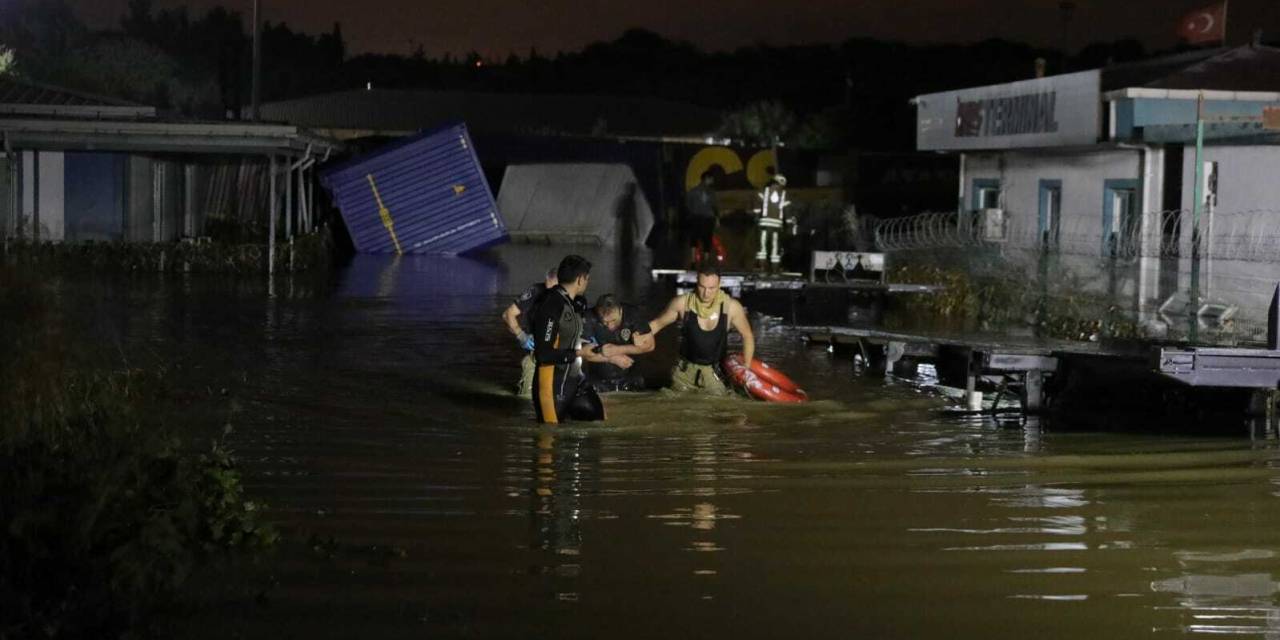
{"x": 105, "y": 514}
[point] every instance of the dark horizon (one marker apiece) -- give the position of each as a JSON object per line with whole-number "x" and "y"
{"x": 497, "y": 28}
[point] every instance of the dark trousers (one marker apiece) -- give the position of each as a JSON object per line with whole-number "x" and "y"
{"x": 559, "y": 397}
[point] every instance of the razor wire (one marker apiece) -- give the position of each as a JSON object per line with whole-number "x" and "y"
{"x": 1252, "y": 235}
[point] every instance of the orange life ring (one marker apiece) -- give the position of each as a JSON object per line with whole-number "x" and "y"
{"x": 762, "y": 381}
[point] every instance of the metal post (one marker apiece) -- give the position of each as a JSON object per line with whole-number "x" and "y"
{"x": 1197, "y": 194}
{"x": 1273, "y": 321}
{"x": 271, "y": 215}
{"x": 288, "y": 199}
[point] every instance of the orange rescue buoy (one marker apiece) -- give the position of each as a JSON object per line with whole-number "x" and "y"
{"x": 762, "y": 381}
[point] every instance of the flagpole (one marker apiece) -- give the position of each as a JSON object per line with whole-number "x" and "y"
{"x": 1225, "y": 5}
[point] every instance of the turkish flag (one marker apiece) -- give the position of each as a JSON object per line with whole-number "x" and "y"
{"x": 1208, "y": 24}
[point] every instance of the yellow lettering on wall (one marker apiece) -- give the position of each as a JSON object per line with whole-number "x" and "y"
{"x": 724, "y": 157}
{"x": 761, "y": 167}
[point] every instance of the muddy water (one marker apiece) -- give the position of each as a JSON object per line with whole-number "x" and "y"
{"x": 373, "y": 414}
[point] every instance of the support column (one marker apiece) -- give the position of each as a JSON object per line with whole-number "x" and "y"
{"x": 288, "y": 198}
{"x": 271, "y": 215}
{"x": 1033, "y": 392}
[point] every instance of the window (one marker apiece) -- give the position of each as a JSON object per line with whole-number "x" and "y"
{"x": 1050, "y": 224}
{"x": 986, "y": 193}
{"x": 1121, "y": 218}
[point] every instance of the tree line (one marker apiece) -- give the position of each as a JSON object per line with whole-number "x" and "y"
{"x": 848, "y": 95}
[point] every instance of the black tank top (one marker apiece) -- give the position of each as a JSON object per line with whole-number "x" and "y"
{"x": 703, "y": 347}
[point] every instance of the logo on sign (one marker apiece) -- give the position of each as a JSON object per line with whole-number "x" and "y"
{"x": 1007, "y": 116}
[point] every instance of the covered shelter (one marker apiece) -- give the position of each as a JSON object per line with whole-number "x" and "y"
{"x": 78, "y": 167}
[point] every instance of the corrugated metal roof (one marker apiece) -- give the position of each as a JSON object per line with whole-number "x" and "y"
{"x": 15, "y": 91}
{"x": 424, "y": 194}
{"x": 392, "y": 110}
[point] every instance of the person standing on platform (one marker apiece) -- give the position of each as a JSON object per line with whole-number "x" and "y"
{"x": 702, "y": 217}
{"x": 773, "y": 203}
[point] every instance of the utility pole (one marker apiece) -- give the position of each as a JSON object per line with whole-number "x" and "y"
{"x": 257, "y": 61}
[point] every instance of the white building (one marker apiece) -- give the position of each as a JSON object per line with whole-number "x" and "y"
{"x": 1100, "y": 163}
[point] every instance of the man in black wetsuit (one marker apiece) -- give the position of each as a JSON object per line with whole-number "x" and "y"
{"x": 705, "y": 316}
{"x": 560, "y": 392}
{"x": 620, "y": 333}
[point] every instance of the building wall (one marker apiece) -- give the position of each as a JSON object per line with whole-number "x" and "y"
{"x": 1082, "y": 177}
{"x": 1247, "y": 176}
{"x": 1242, "y": 229}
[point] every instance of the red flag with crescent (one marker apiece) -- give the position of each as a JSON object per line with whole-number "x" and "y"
{"x": 1208, "y": 24}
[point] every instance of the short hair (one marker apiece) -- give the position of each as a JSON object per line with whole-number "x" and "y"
{"x": 606, "y": 303}
{"x": 572, "y": 268}
{"x": 709, "y": 267}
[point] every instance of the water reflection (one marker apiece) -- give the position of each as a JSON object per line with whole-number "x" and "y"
{"x": 1216, "y": 597}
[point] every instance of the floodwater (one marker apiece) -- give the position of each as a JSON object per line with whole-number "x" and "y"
{"x": 373, "y": 414}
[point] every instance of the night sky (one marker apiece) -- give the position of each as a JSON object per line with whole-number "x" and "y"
{"x": 496, "y": 28}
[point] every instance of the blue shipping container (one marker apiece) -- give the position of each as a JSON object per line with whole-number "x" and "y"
{"x": 423, "y": 194}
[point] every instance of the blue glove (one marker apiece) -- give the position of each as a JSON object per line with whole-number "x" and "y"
{"x": 525, "y": 340}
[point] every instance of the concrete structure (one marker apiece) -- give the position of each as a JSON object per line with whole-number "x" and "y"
{"x": 1112, "y": 176}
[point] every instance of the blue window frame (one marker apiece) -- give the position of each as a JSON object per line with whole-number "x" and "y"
{"x": 1120, "y": 216}
{"x": 985, "y": 193}
{"x": 1050, "y": 216}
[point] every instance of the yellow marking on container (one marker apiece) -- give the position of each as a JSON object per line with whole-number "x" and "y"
{"x": 458, "y": 189}
{"x": 384, "y": 213}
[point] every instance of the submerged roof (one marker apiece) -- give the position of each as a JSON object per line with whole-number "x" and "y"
{"x": 396, "y": 110}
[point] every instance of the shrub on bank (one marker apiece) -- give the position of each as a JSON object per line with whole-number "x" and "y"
{"x": 105, "y": 513}
{"x": 202, "y": 255}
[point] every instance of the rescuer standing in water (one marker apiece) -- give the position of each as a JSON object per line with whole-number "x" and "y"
{"x": 705, "y": 316}
{"x": 560, "y": 391}
{"x": 516, "y": 317}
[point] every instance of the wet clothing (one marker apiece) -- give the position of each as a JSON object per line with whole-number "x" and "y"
{"x": 525, "y": 302}
{"x": 607, "y": 376}
{"x": 524, "y": 388}
{"x": 704, "y": 378}
{"x": 559, "y": 391}
{"x": 702, "y": 350}
{"x": 698, "y": 345}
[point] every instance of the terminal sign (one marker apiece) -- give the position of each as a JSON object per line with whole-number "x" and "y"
{"x": 1042, "y": 112}
{"x": 1014, "y": 115}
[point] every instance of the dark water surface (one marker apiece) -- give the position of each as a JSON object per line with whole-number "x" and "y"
{"x": 373, "y": 414}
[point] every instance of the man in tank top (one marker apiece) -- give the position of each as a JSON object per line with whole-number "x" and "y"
{"x": 705, "y": 317}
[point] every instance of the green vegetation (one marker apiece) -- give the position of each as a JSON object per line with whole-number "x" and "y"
{"x": 312, "y": 251}
{"x": 1063, "y": 308}
{"x": 106, "y": 513}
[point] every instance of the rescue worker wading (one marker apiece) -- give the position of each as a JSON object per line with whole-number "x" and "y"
{"x": 560, "y": 391}
{"x": 705, "y": 317}
{"x": 516, "y": 317}
{"x": 619, "y": 333}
